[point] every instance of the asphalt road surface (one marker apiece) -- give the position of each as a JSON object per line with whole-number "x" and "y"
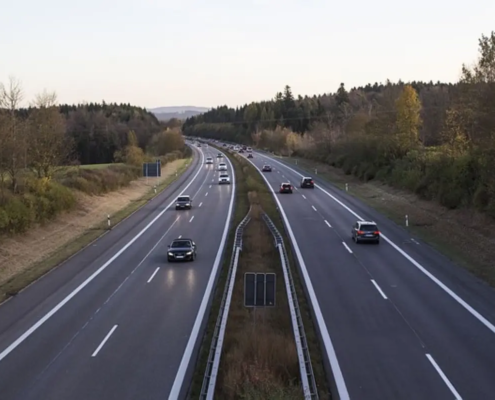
{"x": 398, "y": 319}
{"x": 117, "y": 321}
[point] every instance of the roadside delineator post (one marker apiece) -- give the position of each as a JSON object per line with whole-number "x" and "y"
{"x": 108, "y": 220}
{"x": 154, "y": 188}
{"x": 316, "y": 171}
{"x": 175, "y": 172}
{"x": 407, "y": 220}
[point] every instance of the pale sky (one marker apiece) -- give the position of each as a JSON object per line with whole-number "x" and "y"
{"x": 155, "y": 53}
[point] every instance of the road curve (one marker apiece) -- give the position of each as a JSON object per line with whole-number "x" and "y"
{"x": 405, "y": 322}
{"x": 117, "y": 321}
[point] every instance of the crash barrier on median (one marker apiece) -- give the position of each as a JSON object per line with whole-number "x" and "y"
{"x": 305, "y": 366}
{"x": 211, "y": 373}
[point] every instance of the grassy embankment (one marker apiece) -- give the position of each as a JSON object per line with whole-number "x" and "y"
{"x": 91, "y": 183}
{"x": 259, "y": 359}
{"x": 469, "y": 242}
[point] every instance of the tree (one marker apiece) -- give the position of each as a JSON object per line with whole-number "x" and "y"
{"x": 13, "y": 138}
{"x": 408, "y": 122}
{"x": 48, "y": 144}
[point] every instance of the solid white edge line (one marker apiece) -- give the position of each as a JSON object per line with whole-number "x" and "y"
{"x": 104, "y": 341}
{"x": 191, "y": 218}
{"x": 186, "y": 358}
{"x": 444, "y": 377}
{"x": 328, "y": 224}
{"x": 49, "y": 314}
{"x": 153, "y": 275}
{"x": 314, "y": 208}
{"x": 379, "y": 289}
{"x": 347, "y": 247}
{"x": 444, "y": 287}
{"x": 327, "y": 341}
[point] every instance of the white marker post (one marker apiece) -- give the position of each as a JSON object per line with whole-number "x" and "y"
{"x": 407, "y": 220}
{"x": 154, "y": 188}
{"x": 316, "y": 171}
{"x": 346, "y": 187}
{"x": 175, "y": 172}
{"x": 108, "y": 220}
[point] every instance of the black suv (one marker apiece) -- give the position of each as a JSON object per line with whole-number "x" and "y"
{"x": 183, "y": 203}
{"x": 181, "y": 250}
{"x": 365, "y": 231}
{"x": 285, "y": 188}
{"x": 307, "y": 182}
{"x": 267, "y": 168}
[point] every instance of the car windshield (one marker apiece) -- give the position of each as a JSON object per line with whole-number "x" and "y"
{"x": 181, "y": 243}
{"x": 224, "y": 176}
{"x": 308, "y": 179}
{"x": 369, "y": 228}
{"x": 286, "y": 185}
{"x": 183, "y": 198}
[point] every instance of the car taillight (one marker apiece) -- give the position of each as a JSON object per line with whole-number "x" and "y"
{"x": 311, "y": 182}
{"x": 360, "y": 232}
{"x": 377, "y": 232}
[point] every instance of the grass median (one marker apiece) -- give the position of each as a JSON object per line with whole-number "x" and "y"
{"x": 19, "y": 281}
{"x": 259, "y": 358}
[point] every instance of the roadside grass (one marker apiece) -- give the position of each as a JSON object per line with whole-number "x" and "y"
{"x": 262, "y": 365}
{"x": 469, "y": 242}
{"x": 18, "y": 282}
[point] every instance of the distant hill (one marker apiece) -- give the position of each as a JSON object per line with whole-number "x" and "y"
{"x": 180, "y": 112}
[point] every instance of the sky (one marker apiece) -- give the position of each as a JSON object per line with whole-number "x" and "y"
{"x": 154, "y": 53}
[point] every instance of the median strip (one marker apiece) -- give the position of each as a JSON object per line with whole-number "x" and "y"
{"x": 259, "y": 356}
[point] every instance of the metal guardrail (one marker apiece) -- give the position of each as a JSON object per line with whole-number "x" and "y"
{"x": 305, "y": 366}
{"x": 211, "y": 372}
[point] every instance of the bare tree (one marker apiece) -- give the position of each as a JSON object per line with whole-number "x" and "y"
{"x": 49, "y": 147}
{"x": 13, "y": 141}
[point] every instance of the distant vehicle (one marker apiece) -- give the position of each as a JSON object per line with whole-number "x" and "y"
{"x": 266, "y": 168}
{"x": 219, "y": 155}
{"x": 222, "y": 167}
{"x": 224, "y": 179}
{"x": 199, "y": 144}
{"x": 209, "y": 160}
{"x": 183, "y": 202}
{"x": 285, "y": 188}
{"x": 249, "y": 150}
{"x": 241, "y": 151}
{"x": 365, "y": 231}
{"x": 307, "y": 182}
{"x": 250, "y": 155}
{"x": 224, "y": 145}
{"x": 181, "y": 250}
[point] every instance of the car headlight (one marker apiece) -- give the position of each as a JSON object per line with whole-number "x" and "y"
{"x": 188, "y": 253}
{"x": 170, "y": 253}
{"x": 188, "y": 204}
{"x": 177, "y": 204}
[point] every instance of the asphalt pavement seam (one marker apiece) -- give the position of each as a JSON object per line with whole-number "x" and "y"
{"x": 444, "y": 377}
{"x": 104, "y": 341}
{"x": 439, "y": 283}
{"x": 88, "y": 280}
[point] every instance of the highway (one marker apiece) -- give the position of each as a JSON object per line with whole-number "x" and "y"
{"x": 117, "y": 321}
{"x": 398, "y": 320}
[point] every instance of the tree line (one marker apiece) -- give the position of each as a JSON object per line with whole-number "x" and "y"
{"x": 435, "y": 139}
{"x": 43, "y": 145}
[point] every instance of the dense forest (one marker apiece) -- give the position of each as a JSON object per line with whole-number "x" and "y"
{"x": 435, "y": 139}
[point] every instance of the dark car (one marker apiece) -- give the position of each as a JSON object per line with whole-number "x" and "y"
{"x": 183, "y": 202}
{"x": 266, "y": 168}
{"x": 219, "y": 155}
{"x": 285, "y": 188}
{"x": 241, "y": 151}
{"x": 181, "y": 250}
{"x": 365, "y": 231}
{"x": 307, "y": 182}
{"x": 250, "y": 155}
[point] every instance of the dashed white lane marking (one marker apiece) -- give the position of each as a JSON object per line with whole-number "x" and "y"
{"x": 104, "y": 341}
{"x": 328, "y": 223}
{"x": 347, "y": 247}
{"x": 379, "y": 289}
{"x": 153, "y": 275}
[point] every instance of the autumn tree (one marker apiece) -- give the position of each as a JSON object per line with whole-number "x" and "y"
{"x": 167, "y": 142}
{"x": 13, "y": 131}
{"x": 408, "y": 122}
{"x": 48, "y": 144}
